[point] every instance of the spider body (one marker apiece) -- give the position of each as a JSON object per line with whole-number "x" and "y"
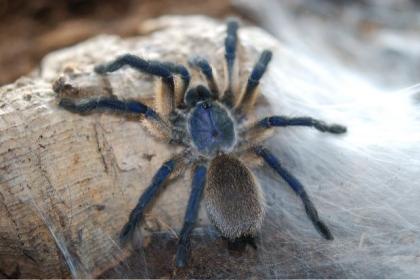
{"x": 233, "y": 198}
{"x": 205, "y": 121}
{"x": 211, "y": 128}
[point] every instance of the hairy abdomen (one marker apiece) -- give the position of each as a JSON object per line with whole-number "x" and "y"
{"x": 233, "y": 197}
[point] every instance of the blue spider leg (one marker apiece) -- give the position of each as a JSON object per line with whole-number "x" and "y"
{"x": 100, "y": 103}
{"x": 231, "y": 42}
{"x": 198, "y": 183}
{"x": 254, "y": 78}
{"x": 207, "y": 70}
{"x": 151, "y": 67}
{"x": 275, "y": 121}
{"x": 297, "y": 187}
{"x": 137, "y": 213}
{"x": 180, "y": 70}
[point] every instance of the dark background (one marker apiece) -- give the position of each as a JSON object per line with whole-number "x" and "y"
{"x": 377, "y": 38}
{"x": 31, "y": 29}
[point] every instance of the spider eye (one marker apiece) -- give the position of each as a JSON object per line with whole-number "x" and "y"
{"x": 205, "y": 105}
{"x": 197, "y": 94}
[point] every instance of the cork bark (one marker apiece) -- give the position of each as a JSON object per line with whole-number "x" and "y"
{"x": 68, "y": 182}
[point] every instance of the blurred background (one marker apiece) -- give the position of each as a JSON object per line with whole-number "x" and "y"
{"x": 377, "y": 38}
{"x": 31, "y": 29}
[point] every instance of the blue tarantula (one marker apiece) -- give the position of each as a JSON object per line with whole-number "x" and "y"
{"x": 214, "y": 128}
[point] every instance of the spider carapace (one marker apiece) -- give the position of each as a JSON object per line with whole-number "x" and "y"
{"x": 212, "y": 125}
{"x": 211, "y": 128}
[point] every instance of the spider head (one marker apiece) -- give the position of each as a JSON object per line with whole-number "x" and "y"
{"x": 197, "y": 94}
{"x": 211, "y": 127}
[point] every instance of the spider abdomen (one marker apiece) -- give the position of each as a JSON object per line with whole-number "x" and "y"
{"x": 233, "y": 198}
{"x": 211, "y": 128}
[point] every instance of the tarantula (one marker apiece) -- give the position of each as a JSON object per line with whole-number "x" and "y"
{"x": 214, "y": 128}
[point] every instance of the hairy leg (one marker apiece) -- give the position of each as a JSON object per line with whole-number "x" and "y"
{"x": 263, "y": 129}
{"x": 148, "y": 195}
{"x": 277, "y": 121}
{"x": 250, "y": 93}
{"x": 165, "y": 91}
{"x": 100, "y": 103}
{"x": 231, "y": 63}
{"x": 114, "y": 105}
{"x": 198, "y": 183}
{"x": 207, "y": 70}
{"x": 182, "y": 86}
{"x": 298, "y": 188}
{"x": 147, "y": 66}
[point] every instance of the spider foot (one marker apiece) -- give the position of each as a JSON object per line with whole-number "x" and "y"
{"x": 101, "y": 69}
{"x": 126, "y": 233}
{"x": 70, "y": 105}
{"x": 323, "y": 230}
{"x": 182, "y": 254}
{"x": 334, "y": 128}
{"x": 67, "y": 103}
{"x": 316, "y": 221}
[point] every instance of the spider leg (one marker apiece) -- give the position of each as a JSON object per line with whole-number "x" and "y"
{"x": 112, "y": 104}
{"x": 185, "y": 76}
{"x": 275, "y": 121}
{"x": 251, "y": 91}
{"x": 207, "y": 70}
{"x": 181, "y": 70}
{"x": 262, "y": 129}
{"x": 231, "y": 63}
{"x": 137, "y": 213}
{"x": 101, "y": 103}
{"x": 165, "y": 90}
{"x": 147, "y": 66}
{"x": 198, "y": 183}
{"x": 297, "y": 187}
